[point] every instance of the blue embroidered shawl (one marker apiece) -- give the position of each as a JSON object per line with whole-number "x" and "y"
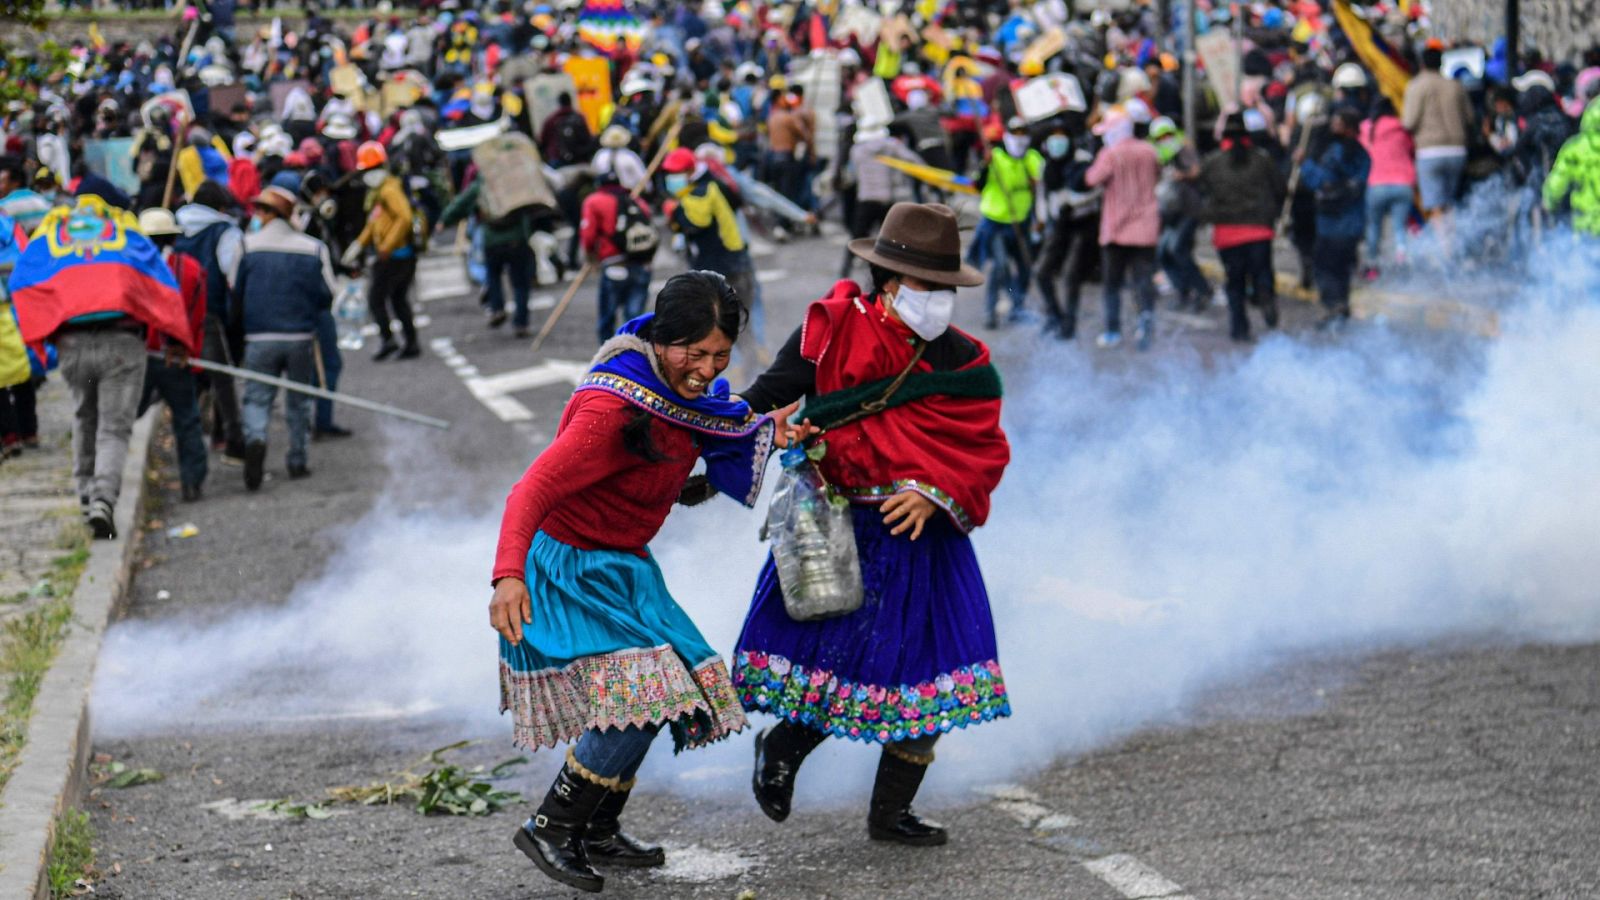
{"x": 734, "y": 442}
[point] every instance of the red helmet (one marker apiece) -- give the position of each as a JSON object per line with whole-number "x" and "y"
{"x": 679, "y": 160}
{"x": 371, "y": 155}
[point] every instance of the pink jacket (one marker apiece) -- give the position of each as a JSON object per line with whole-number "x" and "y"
{"x": 1128, "y": 212}
{"x": 1393, "y": 154}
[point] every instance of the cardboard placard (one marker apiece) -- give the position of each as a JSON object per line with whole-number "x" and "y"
{"x": 348, "y": 81}
{"x": 279, "y": 91}
{"x": 1045, "y": 96}
{"x": 1463, "y": 59}
{"x": 1221, "y": 58}
{"x": 513, "y": 175}
{"x": 856, "y": 21}
{"x": 541, "y": 93}
{"x": 872, "y": 104}
{"x": 592, "y": 76}
{"x": 112, "y": 159}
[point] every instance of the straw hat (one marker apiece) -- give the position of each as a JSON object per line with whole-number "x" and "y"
{"x": 277, "y": 200}
{"x": 920, "y": 240}
{"x": 155, "y": 222}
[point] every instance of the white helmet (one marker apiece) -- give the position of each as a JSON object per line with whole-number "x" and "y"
{"x": 1350, "y": 75}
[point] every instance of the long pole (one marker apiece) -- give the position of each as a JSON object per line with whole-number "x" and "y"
{"x": 314, "y": 391}
{"x": 588, "y": 267}
{"x": 1189, "y": 124}
{"x": 1513, "y": 36}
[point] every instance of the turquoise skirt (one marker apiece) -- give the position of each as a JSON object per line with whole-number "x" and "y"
{"x": 608, "y": 647}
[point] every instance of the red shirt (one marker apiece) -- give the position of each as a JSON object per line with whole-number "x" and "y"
{"x": 192, "y": 288}
{"x": 597, "y": 230}
{"x": 589, "y": 491}
{"x": 1226, "y": 237}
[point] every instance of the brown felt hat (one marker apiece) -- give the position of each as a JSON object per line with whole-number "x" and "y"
{"x": 920, "y": 240}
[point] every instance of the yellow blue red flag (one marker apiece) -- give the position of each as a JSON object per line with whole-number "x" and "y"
{"x": 1380, "y": 59}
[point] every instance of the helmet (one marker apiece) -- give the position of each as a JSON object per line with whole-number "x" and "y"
{"x": 1350, "y": 75}
{"x": 371, "y": 155}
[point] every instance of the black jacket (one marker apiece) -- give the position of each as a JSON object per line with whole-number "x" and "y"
{"x": 1250, "y": 194}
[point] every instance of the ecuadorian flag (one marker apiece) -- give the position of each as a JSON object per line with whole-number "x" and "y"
{"x": 92, "y": 258}
{"x": 1376, "y": 54}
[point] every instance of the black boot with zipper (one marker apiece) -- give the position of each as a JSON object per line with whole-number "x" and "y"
{"x": 779, "y": 752}
{"x": 890, "y": 817}
{"x": 608, "y": 845}
{"x": 556, "y": 842}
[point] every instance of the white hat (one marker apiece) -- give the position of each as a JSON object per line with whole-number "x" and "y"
{"x": 1254, "y": 120}
{"x": 156, "y": 221}
{"x": 1138, "y": 111}
{"x": 339, "y": 127}
{"x": 1534, "y": 78}
{"x": 1350, "y": 75}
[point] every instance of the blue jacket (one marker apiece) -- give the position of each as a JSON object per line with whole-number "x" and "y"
{"x": 285, "y": 281}
{"x": 1340, "y": 162}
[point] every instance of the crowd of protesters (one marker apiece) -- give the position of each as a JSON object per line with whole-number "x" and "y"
{"x": 283, "y": 160}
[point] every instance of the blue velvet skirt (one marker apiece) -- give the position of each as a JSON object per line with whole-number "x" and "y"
{"x": 917, "y": 658}
{"x": 608, "y": 648}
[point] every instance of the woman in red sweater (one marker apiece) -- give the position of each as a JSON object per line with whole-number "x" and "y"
{"x": 612, "y": 657}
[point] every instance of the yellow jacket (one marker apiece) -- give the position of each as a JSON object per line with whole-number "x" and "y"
{"x": 389, "y": 224}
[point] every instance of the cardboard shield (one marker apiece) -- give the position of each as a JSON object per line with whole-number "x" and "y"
{"x": 541, "y": 92}
{"x": 513, "y": 175}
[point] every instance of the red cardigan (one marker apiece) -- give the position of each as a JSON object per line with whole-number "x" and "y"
{"x": 590, "y": 492}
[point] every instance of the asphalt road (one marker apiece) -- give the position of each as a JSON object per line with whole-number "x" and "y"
{"x": 330, "y": 632}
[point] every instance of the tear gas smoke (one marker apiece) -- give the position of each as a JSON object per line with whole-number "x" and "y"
{"x": 1159, "y": 532}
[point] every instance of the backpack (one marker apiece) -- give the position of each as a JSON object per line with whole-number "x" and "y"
{"x": 636, "y": 235}
{"x": 572, "y": 140}
{"x": 421, "y": 228}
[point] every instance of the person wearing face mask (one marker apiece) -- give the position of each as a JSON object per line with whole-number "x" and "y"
{"x": 1244, "y": 191}
{"x": 1072, "y": 237}
{"x": 1130, "y": 224}
{"x": 1007, "y": 207}
{"x": 613, "y": 659}
{"x": 388, "y": 234}
{"x": 910, "y": 412}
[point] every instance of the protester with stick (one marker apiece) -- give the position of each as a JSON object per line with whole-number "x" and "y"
{"x": 174, "y": 380}
{"x": 285, "y": 280}
{"x": 212, "y": 237}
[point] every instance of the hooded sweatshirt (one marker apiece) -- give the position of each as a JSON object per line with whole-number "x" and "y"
{"x": 1577, "y": 171}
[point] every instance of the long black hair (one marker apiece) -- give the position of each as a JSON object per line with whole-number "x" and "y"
{"x": 688, "y": 308}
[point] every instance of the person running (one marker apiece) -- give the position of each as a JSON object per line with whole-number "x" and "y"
{"x": 1244, "y": 192}
{"x": 1006, "y": 203}
{"x": 617, "y": 234}
{"x": 1336, "y": 174}
{"x": 918, "y": 657}
{"x": 1130, "y": 225}
{"x": 172, "y": 381}
{"x": 613, "y": 659}
{"x": 389, "y": 235}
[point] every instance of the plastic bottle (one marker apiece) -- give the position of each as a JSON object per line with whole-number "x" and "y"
{"x": 350, "y": 315}
{"x": 813, "y": 544}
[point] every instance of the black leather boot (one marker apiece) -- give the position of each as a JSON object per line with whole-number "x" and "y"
{"x": 779, "y": 752}
{"x": 556, "y": 843}
{"x": 890, "y": 818}
{"x": 606, "y": 843}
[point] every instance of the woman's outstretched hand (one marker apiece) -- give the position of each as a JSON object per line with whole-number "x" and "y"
{"x": 787, "y": 434}
{"x": 510, "y": 609}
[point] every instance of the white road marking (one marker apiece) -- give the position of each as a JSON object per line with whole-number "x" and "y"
{"x": 1133, "y": 879}
{"x": 1124, "y": 873}
{"x": 371, "y": 330}
{"x": 494, "y": 391}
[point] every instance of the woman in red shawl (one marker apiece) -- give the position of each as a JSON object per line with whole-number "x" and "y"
{"x": 918, "y": 657}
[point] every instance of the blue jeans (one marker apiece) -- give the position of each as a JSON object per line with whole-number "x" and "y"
{"x": 1004, "y": 252}
{"x": 1386, "y": 201}
{"x": 516, "y": 260}
{"x": 175, "y": 386}
{"x": 332, "y": 365}
{"x": 627, "y": 295}
{"x": 1438, "y": 179}
{"x": 1136, "y": 264}
{"x": 615, "y": 754}
{"x": 1175, "y": 253}
{"x": 290, "y": 359}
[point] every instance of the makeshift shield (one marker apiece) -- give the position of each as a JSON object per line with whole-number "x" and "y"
{"x": 513, "y": 175}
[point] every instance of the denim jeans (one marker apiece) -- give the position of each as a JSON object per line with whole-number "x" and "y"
{"x": 515, "y": 260}
{"x": 1070, "y": 246}
{"x": 615, "y": 754}
{"x": 1004, "y": 251}
{"x": 627, "y": 295}
{"x": 290, "y": 359}
{"x": 1386, "y": 201}
{"x": 175, "y": 385}
{"x": 1175, "y": 253}
{"x": 1438, "y": 179}
{"x": 1333, "y": 265}
{"x": 1248, "y": 269}
{"x": 332, "y": 365}
{"x": 1125, "y": 262}
{"x": 104, "y": 369}
{"x": 223, "y": 395}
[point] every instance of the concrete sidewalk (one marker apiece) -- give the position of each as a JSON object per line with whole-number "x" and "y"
{"x": 41, "y": 513}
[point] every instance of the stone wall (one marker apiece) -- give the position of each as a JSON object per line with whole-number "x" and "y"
{"x": 1558, "y": 28}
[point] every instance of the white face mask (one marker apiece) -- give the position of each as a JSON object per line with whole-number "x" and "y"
{"x": 925, "y": 312}
{"x": 1016, "y": 144}
{"x": 374, "y": 177}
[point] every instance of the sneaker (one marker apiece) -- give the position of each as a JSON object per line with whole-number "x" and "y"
{"x": 298, "y": 472}
{"x": 1145, "y": 332}
{"x": 1108, "y": 340}
{"x": 1269, "y": 312}
{"x": 331, "y": 432}
{"x": 412, "y": 351}
{"x": 1333, "y": 322}
{"x": 102, "y": 520}
{"x": 191, "y": 493}
{"x": 388, "y": 349}
{"x": 522, "y": 334}
{"x": 255, "y": 456}
{"x": 496, "y": 319}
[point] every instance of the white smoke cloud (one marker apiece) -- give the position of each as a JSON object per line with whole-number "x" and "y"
{"x": 1159, "y": 532}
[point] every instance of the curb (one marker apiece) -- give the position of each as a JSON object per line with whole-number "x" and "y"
{"x": 50, "y": 770}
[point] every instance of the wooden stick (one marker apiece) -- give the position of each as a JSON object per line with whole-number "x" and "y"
{"x": 583, "y": 273}
{"x": 1294, "y": 180}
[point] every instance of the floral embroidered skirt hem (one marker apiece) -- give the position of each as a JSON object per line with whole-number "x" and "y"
{"x": 917, "y": 658}
{"x": 609, "y": 648}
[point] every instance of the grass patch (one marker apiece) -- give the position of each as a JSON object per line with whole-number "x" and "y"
{"x": 28, "y": 644}
{"x": 71, "y": 868}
